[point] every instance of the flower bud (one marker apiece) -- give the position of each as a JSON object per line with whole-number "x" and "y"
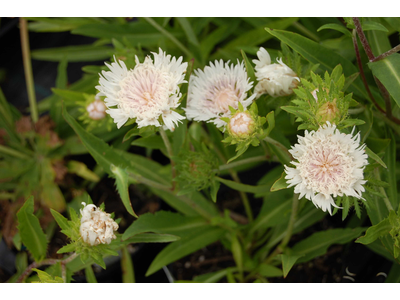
{"x": 274, "y": 79}
{"x": 96, "y": 109}
{"x": 241, "y": 125}
{"x": 328, "y": 112}
{"x": 97, "y": 227}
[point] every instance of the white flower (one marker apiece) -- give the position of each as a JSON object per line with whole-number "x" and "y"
{"x": 274, "y": 79}
{"x": 213, "y": 90}
{"x": 329, "y": 164}
{"x": 96, "y": 110}
{"x": 97, "y": 227}
{"x": 145, "y": 93}
{"x": 241, "y": 124}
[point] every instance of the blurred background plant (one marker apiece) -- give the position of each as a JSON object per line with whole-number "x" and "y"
{"x": 178, "y": 186}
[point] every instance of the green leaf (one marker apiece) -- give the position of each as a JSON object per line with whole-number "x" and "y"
{"x": 375, "y": 157}
{"x": 67, "y": 248}
{"x": 237, "y": 253}
{"x": 336, "y": 27}
{"x": 270, "y": 271}
{"x": 371, "y": 25}
{"x": 73, "y": 53}
{"x": 387, "y": 71}
{"x": 47, "y": 278}
{"x": 288, "y": 261}
{"x": 318, "y": 243}
{"x": 318, "y": 54}
{"x": 121, "y": 181}
{"x": 280, "y": 184}
{"x": 89, "y": 274}
{"x": 151, "y": 238}
{"x": 32, "y": 235}
{"x": 80, "y": 169}
{"x": 60, "y": 219}
{"x": 375, "y": 231}
{"x": 69, "y": 97}
{"x": 391, "y": 177}
{"x": 151, "y": 142}
{"x": 274, "y": 211}
{"x": 104, "y": 155}
{"x": 243, "y": 187}
{"x": 198, "y": 239}
{"x": 128, "y": 273}
{"x": 214, "y": 276}
{"x": 187, "y": 28}
{"x": 164, "y": 222}
{"x": 249, "y": 67}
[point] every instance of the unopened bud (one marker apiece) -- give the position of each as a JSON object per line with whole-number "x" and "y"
{"x": 241, "y": 125}
{"x": 96, "y": 109}
{"x": 328, "y": 112}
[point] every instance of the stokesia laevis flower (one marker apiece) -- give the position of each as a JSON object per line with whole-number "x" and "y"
{"x": 147, "y": 92}
{"x": 97, "y": 227}
{"x": 213, "y": 90}
{"x": 274, "y": 79}
{"x": 329, "y": 164}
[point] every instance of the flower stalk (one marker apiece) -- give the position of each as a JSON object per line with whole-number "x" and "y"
{"x": 26, "y": 56}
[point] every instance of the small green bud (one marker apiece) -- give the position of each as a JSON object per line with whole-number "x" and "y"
{"x": 196, "y": 170}
{"x": 328, "y": 112}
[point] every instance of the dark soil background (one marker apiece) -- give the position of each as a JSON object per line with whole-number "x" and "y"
{"x": 363, "y": 264}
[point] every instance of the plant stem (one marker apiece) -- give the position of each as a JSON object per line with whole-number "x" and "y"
{"x": 279, "y": 145}
{"x": 170, "y": 154}
{"x": 244, "y": 197}
{"x": 168, "y": 35}
{"x": 242, "y": 162}
{"x": 280, "y": 248}
{"x": 387, "y": 53}
{"x": 26, "y": 56}
{"x": 135, "y": 178}
{"x": 364, "y": 79}
{"x": 363, "y": 39}
{"x": 382, "y": 191}
{"x": 50, "y": 261}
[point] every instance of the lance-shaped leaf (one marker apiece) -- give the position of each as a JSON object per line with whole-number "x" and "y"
{"x": 387, "y": 71}
{"x": 244, "y": 187}
{"x": 106, "y": 157}
{"x": 318, "y": 243}
{"x": 186, "y": 245}
{"x": 32, "y": 235}
{"x": 121, "y": 181}
{"x": 288, "y": 261}
{"x": 164, "y": 222}
{"x": 280, "y": 184}
{"x": 374, "y": 232}
{"x": 128, "y": 273}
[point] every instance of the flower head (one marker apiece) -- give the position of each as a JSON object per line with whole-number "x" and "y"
{"x": 96, "y": 109}
{"x": 97, "y": 227}
{"x": 147, "y": 93}
{"x": 329, "y": 164}
{"x": 274, "y": 79}
{"x": 213, "y": 90}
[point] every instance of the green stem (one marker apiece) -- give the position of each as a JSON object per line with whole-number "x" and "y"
{"x": 170, "y": 154}
{"x": 387, "y": 53}
{"x": 242, "y": 162}
{"x": 305, "y": 31}
{"x": 169, "y": 35}
{"x": 281, "y": 247}
{"x": 289, "y": 157}
{"x": 26, "y": 56}
{"x": 244, "y": 197}
{"x": 382, "y": 191}
{"x": 135, "y": 178}
{"x": 13, "y": 152}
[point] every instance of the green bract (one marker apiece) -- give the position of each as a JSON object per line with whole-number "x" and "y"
{"x": 322, "y": 100}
